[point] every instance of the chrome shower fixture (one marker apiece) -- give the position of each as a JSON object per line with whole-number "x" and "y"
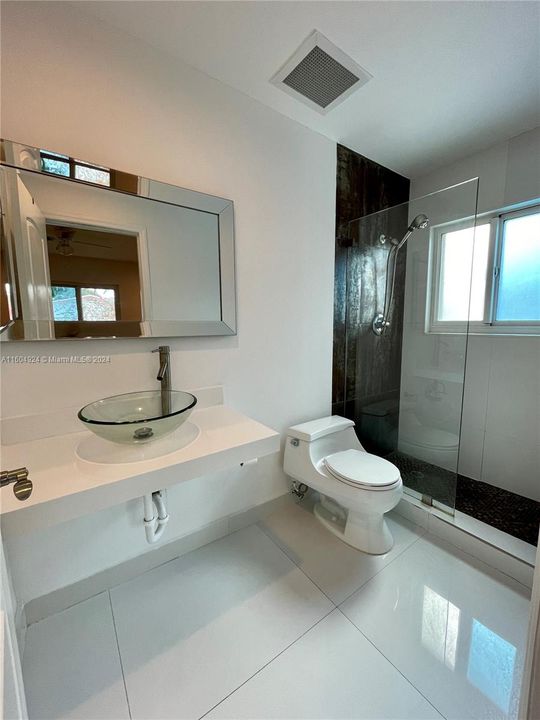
{"x": 381, "y": 321}
{"x": 420, "y": 222}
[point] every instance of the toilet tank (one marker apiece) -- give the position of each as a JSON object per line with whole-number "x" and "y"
{"x": 315, "y": 429}
{"x": 306, "y": 444}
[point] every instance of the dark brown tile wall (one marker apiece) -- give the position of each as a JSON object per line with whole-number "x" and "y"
{"x": 366, "y": 368}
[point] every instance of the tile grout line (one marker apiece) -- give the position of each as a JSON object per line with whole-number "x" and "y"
{"x": 57, "y": 612}
{"x": 119, "y": 654}
{"x": 360, "y": 586}
{"x": 148, "y": 570}
{"x": 338, "y": 607}
{"x": 333, "y": 609}
{"x": 304, "y": 573}
{"x": 390, "y": 662}
{"x": 363, "y": 585}
{"x": 269, "y": 661}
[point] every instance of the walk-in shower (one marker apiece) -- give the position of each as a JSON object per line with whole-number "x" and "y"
{"x": 404, "y": 368}
{"x": 381, "y": 321}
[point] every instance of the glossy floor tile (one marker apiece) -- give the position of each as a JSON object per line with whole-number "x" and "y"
{"x": 331, "y": 672}
{"x": 191, "y": 631}
{"x": 237, "y": 629}
{"x": 335, "y": 567}
{"x": 71, "y": 665}
{"x": 453, "y": 626}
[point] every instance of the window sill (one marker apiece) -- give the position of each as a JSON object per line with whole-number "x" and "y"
{"x": 481, "y": 329}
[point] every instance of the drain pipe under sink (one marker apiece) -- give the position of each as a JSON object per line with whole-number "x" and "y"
{"x": 154, "y": 524}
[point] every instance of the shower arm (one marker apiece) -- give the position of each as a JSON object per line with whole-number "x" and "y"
{"x": 381, "y": 321}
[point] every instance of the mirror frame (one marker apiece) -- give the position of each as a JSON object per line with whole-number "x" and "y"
{"x": 7, "y": 254}
{"x": 19, "y": 156}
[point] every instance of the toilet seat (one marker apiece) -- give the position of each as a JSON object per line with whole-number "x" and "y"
{"x": 363, "y": 470}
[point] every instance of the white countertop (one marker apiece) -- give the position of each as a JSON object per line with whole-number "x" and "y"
{"x": 66, "y": 486}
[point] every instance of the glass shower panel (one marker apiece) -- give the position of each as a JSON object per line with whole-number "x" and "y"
{"x": 410, "y": 293}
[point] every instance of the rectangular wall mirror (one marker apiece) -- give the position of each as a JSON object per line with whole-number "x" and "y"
{"x": 91, "y": 252}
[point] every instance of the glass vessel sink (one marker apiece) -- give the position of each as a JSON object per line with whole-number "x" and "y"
{"x": 138, "y": 417}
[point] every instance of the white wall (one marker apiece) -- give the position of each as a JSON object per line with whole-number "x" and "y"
{"x": 101, "y": 95}
{"x": 500, "y": 439}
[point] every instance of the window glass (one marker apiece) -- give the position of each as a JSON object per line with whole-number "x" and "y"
{"x": 458, "y": 248}
{"x": 98, "y": 304}
{"x": 93, "y": 175}
{"x": 64, "y": 303}
{"x": 58, "y": 167}
{"x": 519, "y": 281}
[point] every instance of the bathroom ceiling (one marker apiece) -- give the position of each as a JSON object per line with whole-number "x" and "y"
{"x": 449, "y": 78}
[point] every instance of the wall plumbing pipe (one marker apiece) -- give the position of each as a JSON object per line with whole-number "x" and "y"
{"x": 155, "y": 516}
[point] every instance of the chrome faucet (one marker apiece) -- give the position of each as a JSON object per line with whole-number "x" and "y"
{"x": 164, "y": 377}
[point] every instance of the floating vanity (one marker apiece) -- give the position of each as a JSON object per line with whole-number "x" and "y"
{"x": 77, "y": 473}
{"x": 172, "y": 251}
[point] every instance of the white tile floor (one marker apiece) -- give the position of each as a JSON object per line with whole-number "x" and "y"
{"x": 282, "y": 620}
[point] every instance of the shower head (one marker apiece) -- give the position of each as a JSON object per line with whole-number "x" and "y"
{"x": 382, "y": 321}
{"x": 420, "y": 222}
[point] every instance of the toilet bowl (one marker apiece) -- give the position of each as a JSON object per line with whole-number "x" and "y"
{"x": 355, "y": 487}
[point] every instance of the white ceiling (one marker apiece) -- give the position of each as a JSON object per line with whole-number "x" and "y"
{"x": 449, "y": 78}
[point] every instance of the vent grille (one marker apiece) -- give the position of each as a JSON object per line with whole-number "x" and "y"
{"x": 320, "y": 75}
{"x": 320, "y": 78}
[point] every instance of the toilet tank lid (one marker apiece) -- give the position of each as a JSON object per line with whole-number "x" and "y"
{"x": 315, "y": 429}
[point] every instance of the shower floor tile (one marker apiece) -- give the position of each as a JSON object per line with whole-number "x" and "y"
{"x": 239, "y": 629}
{"x": 516, "y": 515}
{"x": 426, "y": 479}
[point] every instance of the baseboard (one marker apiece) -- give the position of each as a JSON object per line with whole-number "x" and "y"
{"x": 501, "y": 551}
{"x": 58, "y": 600}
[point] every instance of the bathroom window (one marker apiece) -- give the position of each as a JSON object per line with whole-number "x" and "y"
{"x": 518, "y": 269}
{"x": 486, "y": 277}
{"x": 73, "y": 303}
{"x": 66, "y": 166}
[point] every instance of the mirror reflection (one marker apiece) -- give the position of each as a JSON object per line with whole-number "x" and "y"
{"x": 92, "y": 259}
{"x": 94, "y": 279}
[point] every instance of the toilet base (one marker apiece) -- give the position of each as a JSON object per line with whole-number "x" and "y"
{"x": 362, "y": 531}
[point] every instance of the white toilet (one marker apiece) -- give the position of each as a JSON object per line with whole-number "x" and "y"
{"x": 356, "y": 488}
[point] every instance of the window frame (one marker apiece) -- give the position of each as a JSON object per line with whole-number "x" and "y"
{"x": 73, "y": 164}
{"x": 78, "y": 287}
{"x": 489, "y": 325}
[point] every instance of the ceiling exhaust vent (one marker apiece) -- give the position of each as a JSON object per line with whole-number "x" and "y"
{"x": 320, "y": 75}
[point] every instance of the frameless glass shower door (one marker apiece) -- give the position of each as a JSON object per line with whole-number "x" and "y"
{"x": 410, "y": 293}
